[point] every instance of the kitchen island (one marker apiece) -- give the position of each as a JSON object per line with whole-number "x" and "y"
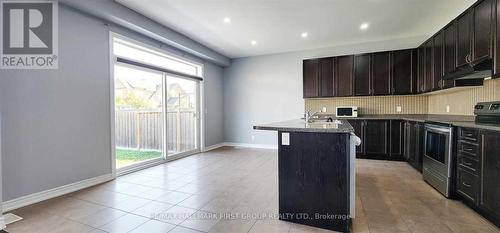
{"x": 316, "y": 172}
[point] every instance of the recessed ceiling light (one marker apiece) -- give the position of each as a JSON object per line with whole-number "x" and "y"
{"x": 304, "y": 35}
{"x": 253, "y": 42}
{"x": 364, "y": 26}
{"x": 227, "y": 20}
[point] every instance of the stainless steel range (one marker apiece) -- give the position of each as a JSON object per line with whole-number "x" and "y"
{"x": 437, "y": 157}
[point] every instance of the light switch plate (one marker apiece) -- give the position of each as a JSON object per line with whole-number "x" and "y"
{"x": 398, "y": 109}
{"x": 323, "y": 109}
{"x": 447, "y": 108}
{"x": 285, "y": 139}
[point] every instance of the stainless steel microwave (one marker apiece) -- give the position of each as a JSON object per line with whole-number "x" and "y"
{"x": 347, "y": 111}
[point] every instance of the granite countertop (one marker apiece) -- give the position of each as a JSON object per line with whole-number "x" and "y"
{"x": 454, "y": 120}
{"x": 299, "y": 125}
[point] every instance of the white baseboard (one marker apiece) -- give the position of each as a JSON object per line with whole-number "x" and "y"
{"x": 213, "y": 147}
{"x": 55, "y": 192}
{"x": 248, "y": 145}
{"x": 2, "y": 222}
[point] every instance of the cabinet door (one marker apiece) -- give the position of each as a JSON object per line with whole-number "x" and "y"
{"x": 463, "y": 39}
{"x": 429, "y": 66}
{"x": 377, "y": 138}
{"x": 403, "y": 72}
{"x": 326, "y": 77}
{"x": 344, "y": 74}
{"x": 397, "y": 139}
{"x": 421, "y": 70}
{"x": 496, "y": 42}
{"x": 311, "y": 78}
{"x": 450, "y": 41}
{"x": 362, "y": 75}
{"x": 490, "y": 174}
{"x": 358, "y": 126}
{"x": 381, "y": 73}
{"x": 482, "y": 30}
{"x": 438, "y": 48}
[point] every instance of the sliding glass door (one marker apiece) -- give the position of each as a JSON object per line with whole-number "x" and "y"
{"x": 156, "y": 98}
{"x": 182, "y": 114}
{"x": 139, "y": 115}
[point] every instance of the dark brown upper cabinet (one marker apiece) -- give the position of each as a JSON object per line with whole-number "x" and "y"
{"x": 496, "y": 44}
{"x": 311, "y": 78}
{"x": 362, "y": 75}
{"x": 482, "y": 30}
{"x": 404, "y": 72}
{"x": 438, "y": 48}
{"x": 464, "y": 39}
{"x": 344, "y": 67}
{"x": 421, "y": 69}
{"x": 326, "y": 77}
{"x": 381, "y": 73}
{"x": 450, "y": 42}
{"x": 429, "y": 66}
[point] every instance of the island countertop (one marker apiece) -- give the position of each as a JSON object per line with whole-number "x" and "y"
{"x": 299, "y": 125}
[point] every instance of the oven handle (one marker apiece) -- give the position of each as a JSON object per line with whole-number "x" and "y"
{"x": 438, "y": 130}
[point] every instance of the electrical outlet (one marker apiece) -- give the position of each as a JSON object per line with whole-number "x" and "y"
{"x": 285, "y": 139}
{"x": 253, "y": 138}
{"x": 447, "y": 108}
{"x": 398, "y": 109}
{"x": 323, "y": 109}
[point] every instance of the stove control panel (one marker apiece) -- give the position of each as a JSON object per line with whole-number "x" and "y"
{"x": 487, "y": 108}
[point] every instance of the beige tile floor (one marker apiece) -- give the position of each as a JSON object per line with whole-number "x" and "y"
{"x": 220, "y": 190}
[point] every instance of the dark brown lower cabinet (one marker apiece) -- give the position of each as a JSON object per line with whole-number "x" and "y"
{"x": 489, "y": 193}
{"x": 377, "y": 137}
{"x": 358, "y": 126}
{"x": 414, "y": 144}
{"x": 397, "y": 139}
{"x": 478, "y": 171}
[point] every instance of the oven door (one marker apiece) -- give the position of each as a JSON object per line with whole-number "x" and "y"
{"x": 437, "y": 154}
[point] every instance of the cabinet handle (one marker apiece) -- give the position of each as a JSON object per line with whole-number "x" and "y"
{"x": 467, "y": 164}
{"x": 482, "y": 168}
{"x": 468, "y": 149}
{"x": 466, "y": 184}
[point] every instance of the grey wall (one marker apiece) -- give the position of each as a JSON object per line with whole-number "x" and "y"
{"x": 214, "y": 107}
{"x": 56, "y": 123}
{"x": 268, "y": 88}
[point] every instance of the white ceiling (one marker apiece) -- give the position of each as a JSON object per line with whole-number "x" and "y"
{"x": 276, "y": 25}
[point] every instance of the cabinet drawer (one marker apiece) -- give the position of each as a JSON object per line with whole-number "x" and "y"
{"x": 468, "y": 148}
{"x": 467, "y": 134}
{"x": 467, "y": 185}
{"x": 468, "y": 163}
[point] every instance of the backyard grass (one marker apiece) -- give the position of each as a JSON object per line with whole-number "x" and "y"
{"x": 127, "y": 157}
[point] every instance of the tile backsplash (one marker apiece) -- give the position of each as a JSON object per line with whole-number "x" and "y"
{"x": 460, "y": 101}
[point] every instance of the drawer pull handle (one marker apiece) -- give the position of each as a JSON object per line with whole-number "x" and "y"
{"x": 469, "y": 149}
{"x": 466, "y": 184}
{"x": 467, "y": 164}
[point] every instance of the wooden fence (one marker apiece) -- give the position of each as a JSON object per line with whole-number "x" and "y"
{"x": 143, "y": 130}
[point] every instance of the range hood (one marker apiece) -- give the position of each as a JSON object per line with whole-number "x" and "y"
{"x": 474, "y": 70}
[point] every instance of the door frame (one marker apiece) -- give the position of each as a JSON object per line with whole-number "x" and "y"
{"x": 154, "y": 162}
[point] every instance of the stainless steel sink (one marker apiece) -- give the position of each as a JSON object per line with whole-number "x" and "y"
{"x": 323, "y": 123}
